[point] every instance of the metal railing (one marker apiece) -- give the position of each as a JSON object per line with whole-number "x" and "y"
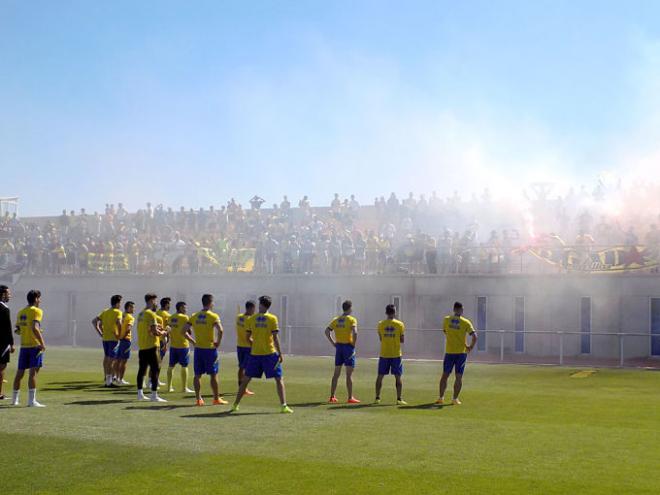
{"x": 558, "y": 347}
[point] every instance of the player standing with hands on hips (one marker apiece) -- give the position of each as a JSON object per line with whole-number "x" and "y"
{"x": 456, "y": 328}
{"x": 208, "y": 331}
{"x": 108, "y": 325}
{"x": 391, "y": 334}
{"x": 345, "y": 330}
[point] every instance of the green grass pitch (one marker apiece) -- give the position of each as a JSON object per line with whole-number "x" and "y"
{"x": 521, "y": 429}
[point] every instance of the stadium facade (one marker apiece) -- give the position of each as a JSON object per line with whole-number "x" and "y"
{"x": 562, "y": 318}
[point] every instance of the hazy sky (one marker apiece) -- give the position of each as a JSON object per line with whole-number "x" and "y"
{"x": 190, "y": 103}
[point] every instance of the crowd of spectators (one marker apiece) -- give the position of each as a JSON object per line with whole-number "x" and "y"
{"x": 415, "y": 235}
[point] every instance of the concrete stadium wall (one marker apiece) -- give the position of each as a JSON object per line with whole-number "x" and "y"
{"x": 619, "y": 303}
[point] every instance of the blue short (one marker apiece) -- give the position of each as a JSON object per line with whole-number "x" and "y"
{"x": 345, "y": 355}
{"x": 243, "y": 354}
{"x": 390, "y": 365}
{"x": 124, "y": 351}
{"x": 269, "y": 365}
{"x": 180, "y": 355}
{"x": 110, "y": 348}
{"x": 456, "y": 361}
{"x": 30, "y": 357}
{"x": 163, "y": 349}
{"x": 207, "y": 361}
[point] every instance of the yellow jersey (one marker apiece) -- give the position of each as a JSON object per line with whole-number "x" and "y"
{"x": 146, "y": 340}
{"x": 164, "y": 317}
{"x": 127, "y": 326}
{"x": 178, "y": 324}
{"x": 241, "y": 331}
{"x": 25, "y": 321}
{"x": 202, "y": 324}
{"x": 263, "y": 326}
{"x": 109, "y": 319}
{"x": 390, "y": 333}
{"x": 343, "y": 327}
{"x": 456, "y": 328}
{"x": 159, "y": 321}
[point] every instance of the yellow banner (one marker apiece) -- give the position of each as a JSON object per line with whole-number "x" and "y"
{"x": 613, "y": 259}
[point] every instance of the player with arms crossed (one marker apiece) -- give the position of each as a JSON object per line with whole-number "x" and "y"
{"x": 149, "y": 334}
{"x": 163, "y": 317}
{"x": 108, "y": 325}
{"x": 391, "y": 334}
{"x": 179, "y": 347}
{"x": 243, "y": 342}
{"x": 345, "y": 329}
{"x": 125, "y": 337}
{"x": 266, "y": 355}
{"x": 205, "y": 324}
{"x": 30, "y": 357}
{"x": 456, "y": 328}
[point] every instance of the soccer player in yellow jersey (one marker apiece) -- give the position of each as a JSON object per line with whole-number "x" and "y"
{"x": 456, "y": 329}
{"x": 205, "y": 324}
{"x": 243, "y": 341}
{"x": 265, "y": 355}
{"x": 30, "y": 357}
{"x": 163, "y": 319}
{"x": 108, "y": 325}
{"x": 345, "y": 330}
{"x": 125, "y": 337}
{"x": 149, "y": 334}
{"x": 164, "y": 315}
{"x": 179, "y": 347}
{"x": 391, "y": 334}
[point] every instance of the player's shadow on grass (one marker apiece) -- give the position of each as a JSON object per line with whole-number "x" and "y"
{"x": 74, "y": 386}
{"x": 308, "y": 404}
{"x": 159, "y": 407}
{"x": 429, "y": 406}
{"x": 71, "y": 382}
{"x": 120, "y": 390}
{"x": 103, "y": 402}
{"x": 226, "y": 414}
{"x": 348, "y": 407}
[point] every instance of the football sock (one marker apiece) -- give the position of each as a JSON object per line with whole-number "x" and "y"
{"x": 184, "y": 378}
{"x": 169, "y": 378}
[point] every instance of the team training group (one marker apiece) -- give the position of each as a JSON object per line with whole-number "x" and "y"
{"x": 258, "y": 347}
